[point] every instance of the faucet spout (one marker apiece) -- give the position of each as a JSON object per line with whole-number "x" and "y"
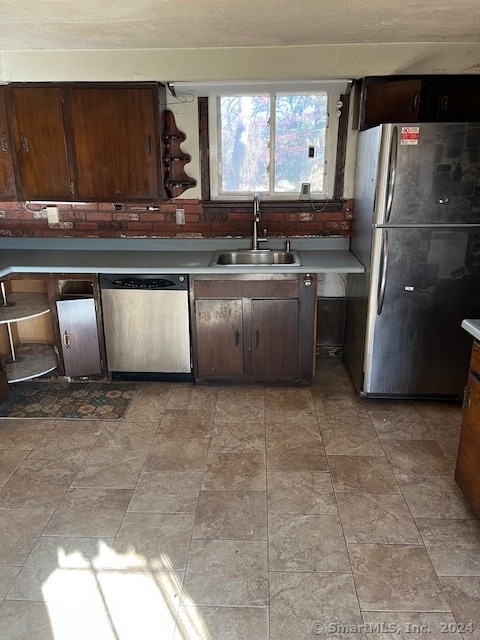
{"x": 256, "y": 220}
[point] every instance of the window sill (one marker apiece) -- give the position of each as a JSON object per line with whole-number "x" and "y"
{"x": 274, "y": 206}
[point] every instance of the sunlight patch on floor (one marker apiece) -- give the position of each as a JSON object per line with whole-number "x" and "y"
{"x": 118, "y": 596}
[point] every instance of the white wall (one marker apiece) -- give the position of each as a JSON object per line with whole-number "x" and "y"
{"x": 322, "y": 61}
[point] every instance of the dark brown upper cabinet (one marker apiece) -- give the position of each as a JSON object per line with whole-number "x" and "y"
{"x": 437, "y": 98}
{"x": 40, "y": 143}
{"x": 87, "y": 141}
{"x": 115, "y": 142}
{"x": 399, "y": 100}
{"x": 7, "y": 174}
{"x": 456, "y": 98}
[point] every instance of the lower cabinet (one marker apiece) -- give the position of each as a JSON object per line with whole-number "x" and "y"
{"x": 467, "y": 469}
{"x": 78, "y": 320}
{"x": 79, "y": 337}
{"x": 248, "y": 329}
{"x": 219, "y": 337}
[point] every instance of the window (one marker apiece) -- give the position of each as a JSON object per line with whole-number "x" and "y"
{"x": 272, "y": 143}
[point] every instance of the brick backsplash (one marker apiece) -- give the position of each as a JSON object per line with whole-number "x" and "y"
{"x": 135, "y": 220}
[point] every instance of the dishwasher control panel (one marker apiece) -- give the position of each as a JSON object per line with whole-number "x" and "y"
{"x": 153, "y": 282}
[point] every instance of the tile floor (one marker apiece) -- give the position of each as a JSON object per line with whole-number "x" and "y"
{"x": 239, "y": 514}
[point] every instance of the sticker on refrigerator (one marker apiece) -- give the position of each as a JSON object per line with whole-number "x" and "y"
{"x": 409, "y": 135}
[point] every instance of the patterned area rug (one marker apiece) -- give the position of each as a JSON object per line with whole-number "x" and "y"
{"x": 81, "y": 400}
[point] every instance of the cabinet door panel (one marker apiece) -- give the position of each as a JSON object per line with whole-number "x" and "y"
{"x": 219, "y": 337}
{"x": 458, "y": 99}
{"x": 40, "y": 143}
{"x": 115, "y": 142}
{"x": 391, "y": 101}
{"x": 7, "y": 175}
{"x": 79, "y": 337}
{"x": 274, "y": 337}
{"x": 467, "y": 470}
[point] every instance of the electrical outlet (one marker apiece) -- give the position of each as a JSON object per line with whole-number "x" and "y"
{"x": 305, "y": 191}
{"x": 180, "y": 216}
{"x": 53, "y": 215}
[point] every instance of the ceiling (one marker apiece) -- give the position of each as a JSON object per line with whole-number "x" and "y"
{"x": 169, "y": 24}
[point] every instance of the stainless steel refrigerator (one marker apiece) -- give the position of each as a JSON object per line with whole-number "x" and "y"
{"x": 416, "y": 230}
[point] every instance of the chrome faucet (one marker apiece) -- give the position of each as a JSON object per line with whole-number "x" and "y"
{"x": 256, "y": 220}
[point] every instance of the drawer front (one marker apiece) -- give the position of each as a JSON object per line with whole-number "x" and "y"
{"x": 246, "y": 289}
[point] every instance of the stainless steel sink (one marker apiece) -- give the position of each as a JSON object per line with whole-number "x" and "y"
{"x": 255, "y": 258}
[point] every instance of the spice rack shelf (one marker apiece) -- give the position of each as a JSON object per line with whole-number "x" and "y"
{"x": 175, "y": 180}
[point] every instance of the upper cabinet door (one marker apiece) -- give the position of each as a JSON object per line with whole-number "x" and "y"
{"x": 458, "y": 99}
{"x": 115, "y": 145}
{"x": 7, "y": 175}
{"x": 40, "y": 143}
{"x": 389, "y": 100}
{"x": 427, "y": 98}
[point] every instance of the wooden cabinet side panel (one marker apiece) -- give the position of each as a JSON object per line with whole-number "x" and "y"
{"x": 307, "y": 327}
{"x": 115, "y": 142}
{"x": 475, "y": 359}
{"x": 79, "y": 335}
{"x": 40, "y": 143}
{"x": 467, "y": 469}
{"x": 219, "y": 337}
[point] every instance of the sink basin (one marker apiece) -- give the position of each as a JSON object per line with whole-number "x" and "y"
{"x": 255, "y": 258}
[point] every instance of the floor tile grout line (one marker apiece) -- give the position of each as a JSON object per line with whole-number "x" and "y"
{"x": 189, "y": 550}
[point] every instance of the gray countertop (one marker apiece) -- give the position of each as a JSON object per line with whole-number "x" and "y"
{"x": 473, "y": 327}
{"x": 145, "y": 255}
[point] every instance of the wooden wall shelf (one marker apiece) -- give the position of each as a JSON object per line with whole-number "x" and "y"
{"x": 175, "y": 180}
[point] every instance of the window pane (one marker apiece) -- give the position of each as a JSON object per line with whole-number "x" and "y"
{"x": 244, "y": 145}
{"x": 300, "y": 127}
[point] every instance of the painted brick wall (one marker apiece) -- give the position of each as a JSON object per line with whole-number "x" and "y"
{"x": 134, "y": 220}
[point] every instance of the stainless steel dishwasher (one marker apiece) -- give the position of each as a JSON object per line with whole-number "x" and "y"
{"x": 146, "y": 324}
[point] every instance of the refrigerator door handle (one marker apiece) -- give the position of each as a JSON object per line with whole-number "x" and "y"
{"x": 382, "y": 280}
{"x": 392, "y": 172}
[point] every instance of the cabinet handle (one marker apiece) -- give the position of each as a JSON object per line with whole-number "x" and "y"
{"x": 149, "y": 145}
{"x": 24, "y": 142}
{"x": 66, "y": 340}
{"x": 307, "y": 280}
{"x": 4, "y": 143}
{"x": 257, "y": 338}
{"x": 237, "y": 337}
{"x": 444, "y": 103}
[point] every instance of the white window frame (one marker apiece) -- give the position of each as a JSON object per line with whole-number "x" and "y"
{"x": 331, "y": 139}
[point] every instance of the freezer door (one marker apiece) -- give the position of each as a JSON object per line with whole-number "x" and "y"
{"x": 426, "y": 282}
{"x": 368, "y": 165}
{"x": 428, "y": 174}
